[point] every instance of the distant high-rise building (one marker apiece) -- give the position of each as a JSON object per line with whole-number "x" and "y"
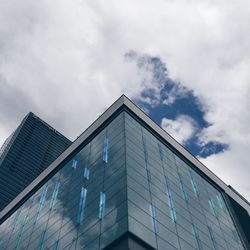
{"x": 32, "y": 147}
{"x": 126, "y": 184}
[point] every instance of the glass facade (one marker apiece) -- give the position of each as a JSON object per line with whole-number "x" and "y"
{"x": 170, "y": 206}
{"x": 124, "y": 179}
{"x": 82, "y": 206}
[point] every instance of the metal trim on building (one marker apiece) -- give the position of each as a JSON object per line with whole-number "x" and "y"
{"x": 123, "y": 101}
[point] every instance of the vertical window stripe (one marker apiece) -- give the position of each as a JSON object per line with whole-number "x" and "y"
{"x": 145, "y": 148}
{"x": 182, "y": 187}
{"x": 41, "y": 203}
{"x": 193, "y": 183}
{"x": 221, "y": 203}
{"x": 42, "y": 240}
{"x": 160, "y": 151}
{"x": 154, "y": 221}
{"x": 212, "y": 207}
{"x": 170, "y": 201}
{"x": 20, "y": 235}
{"x": 105, "y": 150}
{"x": 197, "y": 237}
{"x": 54, "y": 195}
{"x": 82, "y": 203}
{"x": 56, "y": 245}
{"x": 86, "y": 173}
{"x": 211, "y": 236}
{"x": 149, "y": 175}
{"x": 74, "y": 164}
{"x": 102, "y": 205}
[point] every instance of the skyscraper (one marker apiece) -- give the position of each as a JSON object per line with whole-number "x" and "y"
{"x": 125, "y": 184}
{"x": 25, "y": 154}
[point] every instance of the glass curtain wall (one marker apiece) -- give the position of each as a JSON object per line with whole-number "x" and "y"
{"x": 170, "y": 206}
{"x": 125, "y": 179}
{"x": 82, "y": 206}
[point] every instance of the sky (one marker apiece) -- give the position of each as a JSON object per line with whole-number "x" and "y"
{"x": 185, "y": 63}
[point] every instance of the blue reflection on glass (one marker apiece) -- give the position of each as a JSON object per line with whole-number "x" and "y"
{"x": 42, "y": 240}
{"x": 102, "y": 205}
{"x": 54, "y": 195}
{"x": 20, "y": 235}
{"x": 56, "y": 245}
{"x": 212, "y": 207}
{"x": 41, "y": 203}
{"x": 74, "y": 164}
{"x": 211, "y": 236}
{"x": 83, "y": 197}
{"x": 196, "y": 235}
{"x": 221, "y": 203}
{"x": 154, "y": 221}
{"x": 193, "y": 183}
{"x": 86, "y": 173}
{"x": 183, "y": 190}
{"x": 170, "y": 201}
{"x": 105, "y": 150}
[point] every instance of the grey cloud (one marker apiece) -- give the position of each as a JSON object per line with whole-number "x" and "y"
{"x": 14, "y": 104}
{"x": 62, "y": 59}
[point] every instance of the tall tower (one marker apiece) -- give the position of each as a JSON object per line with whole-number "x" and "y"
{"x": 25, "y": 154}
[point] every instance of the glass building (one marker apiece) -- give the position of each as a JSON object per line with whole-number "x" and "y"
{"x": 125, "y": 184}
{"x": 25, "y": 154}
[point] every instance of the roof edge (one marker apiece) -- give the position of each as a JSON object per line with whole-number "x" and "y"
{"x": 177, "y": 146}
{"x": 122, "y": 100}
{"x": 86, "y": 134}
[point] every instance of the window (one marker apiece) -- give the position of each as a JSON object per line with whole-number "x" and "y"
{"x": 212, "y": 207}
{"x": 145, "y": 148}
{"x": 74, "y": 164}
{"x": 86, "y": 173}
{"x": 196, "y": 235}
{"x": 82, "y": 202}
{"x": 42, "y": 241}
{"x": 154, "y": 222}
{"x": 54, "y": 195}
{"x": 182, "y": 187}
{"x": 20, "y": 235}
{"x": 105, "y": 150}
{"x": 170, "y": 201}
{"x": 102, "y": 205}
{"x": 193, "y": 183}
{"x": 211, "y": 236}
{"x": 221, "y": 203}
{"x": 41, "y": 203}
{"x": 160, "y": 151}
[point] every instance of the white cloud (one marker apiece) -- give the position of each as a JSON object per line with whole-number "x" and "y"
{"x": 181, "y": 129}
{"x": 178, "y": 91}
{"x": 64, "y": 58}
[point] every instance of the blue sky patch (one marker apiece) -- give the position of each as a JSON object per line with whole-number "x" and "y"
{"x": 166, "y": 98}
